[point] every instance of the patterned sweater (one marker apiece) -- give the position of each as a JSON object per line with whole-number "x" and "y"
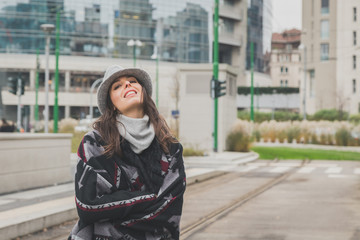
{"x": 132, "y": 197}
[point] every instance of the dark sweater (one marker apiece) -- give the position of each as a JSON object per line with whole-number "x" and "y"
{"x": 137, "y": 196}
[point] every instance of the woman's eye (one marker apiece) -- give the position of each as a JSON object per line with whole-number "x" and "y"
{"x": 133, "y": 81}
{"x": 117, "y": 86}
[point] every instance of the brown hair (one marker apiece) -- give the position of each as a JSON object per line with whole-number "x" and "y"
{"x": 106, "y": 125}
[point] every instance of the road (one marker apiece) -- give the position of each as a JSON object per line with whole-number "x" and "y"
{"x": 267, "y": 200}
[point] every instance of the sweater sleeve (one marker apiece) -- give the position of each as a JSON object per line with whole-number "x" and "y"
{"x": 95, "y": 197}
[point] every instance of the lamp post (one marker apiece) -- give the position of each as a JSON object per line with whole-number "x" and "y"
{"x": 134, "y": 43}
{"x": 47, "y": 28}
{"x": 156, "y": 57}
{"x": 97, "y": 82}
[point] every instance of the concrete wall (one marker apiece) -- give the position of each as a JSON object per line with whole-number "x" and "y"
{"x": 197, "y": 107}
{"x": 270, "y": 101}
{"x": 33, "y": 160}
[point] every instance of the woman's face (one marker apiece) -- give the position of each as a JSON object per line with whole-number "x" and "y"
{"x": 126, "y": 96}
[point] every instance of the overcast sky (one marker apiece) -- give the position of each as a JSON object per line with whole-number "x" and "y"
{"x": 286, "y": 14}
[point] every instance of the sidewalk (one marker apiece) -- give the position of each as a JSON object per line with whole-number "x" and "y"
{"x": 29, "y": 211}
{"x": 311, "y": 146}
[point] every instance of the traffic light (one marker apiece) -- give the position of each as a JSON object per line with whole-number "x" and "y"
{"x": 218, "y": 88}
{"x": 12, "y": 84}
{"x": 22, "y": 87}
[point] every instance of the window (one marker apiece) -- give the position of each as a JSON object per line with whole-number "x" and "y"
{"x": 354, "y": 62}
{"x": 281, "y": 83}
{"x": 286, "y": 83}
{"x": 312, "y": 83}
{"x": 324, "y": 6}
{"x": 282, "y": 69}
{"x": 325, "y": 29}
{"x": 354, "y": 38}
{"x": 354, "y": 85}
{"x": 286, "y": 69}
{"x": 324, "y": 52}
{"x": 354, "y": 14}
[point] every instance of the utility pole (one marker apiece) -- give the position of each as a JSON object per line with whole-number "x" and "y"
{"x": 18, "y": 93}
{"x": 56, "y": 106}
{"x": 304, "y": 101}
{"x": 216, "y": 70}
{"x": 252, "y": 81}
{"x": 37, "y": 87}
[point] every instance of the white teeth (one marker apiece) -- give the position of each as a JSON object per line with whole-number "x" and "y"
{"x": 129, "y": 93}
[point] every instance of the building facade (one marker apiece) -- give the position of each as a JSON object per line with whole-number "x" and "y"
{"x": 259, "y": 31}
{"x": 95, "y": 34}
{"x": 331, "y": 40}
{"x": 285, "y": 61}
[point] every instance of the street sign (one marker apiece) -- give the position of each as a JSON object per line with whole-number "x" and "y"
{"x": 175, "y": 114}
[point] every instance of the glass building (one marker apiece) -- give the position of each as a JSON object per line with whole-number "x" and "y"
{"x": 181, "y": 31}
{"x": 259, "y": 32}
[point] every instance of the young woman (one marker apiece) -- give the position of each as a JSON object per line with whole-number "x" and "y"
{"x": 130, "y": 178}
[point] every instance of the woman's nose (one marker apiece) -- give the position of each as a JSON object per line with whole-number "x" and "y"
{"x": 127, "y": 83}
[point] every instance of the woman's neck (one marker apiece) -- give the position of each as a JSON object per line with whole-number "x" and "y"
{"x": 134, "y": 114}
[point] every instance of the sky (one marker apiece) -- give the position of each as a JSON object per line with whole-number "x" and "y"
{"x": 286, "y": 14}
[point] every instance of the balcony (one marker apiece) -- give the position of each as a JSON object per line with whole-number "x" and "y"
{"x": 229, "y": 12}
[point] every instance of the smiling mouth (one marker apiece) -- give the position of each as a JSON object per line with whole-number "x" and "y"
{"x": 129, "y": 93}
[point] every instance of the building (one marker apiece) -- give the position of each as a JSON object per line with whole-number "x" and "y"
{"x": 259, "y": 31}
{"x": 285, "y": 61}
{"x": 331, "y": 29}
{"x": 94, "y": 35}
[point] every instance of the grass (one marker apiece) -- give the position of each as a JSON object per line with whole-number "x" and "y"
{"x": 297, "y": 153}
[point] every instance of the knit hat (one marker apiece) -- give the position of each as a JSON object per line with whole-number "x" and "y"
{"x": 114, "y": 72}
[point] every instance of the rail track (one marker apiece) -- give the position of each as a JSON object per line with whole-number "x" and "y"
{"x": 207, "y": 220}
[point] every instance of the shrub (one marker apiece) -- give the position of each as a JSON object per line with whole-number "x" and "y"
{"x": 293, "y": 132}
{"x": 257, "y": 135}
{"x": 67, "y": 125}
{"x": 330, "y": 115}
{"x": 263, "y": 116}
{"x": 343, "y": 137}
{"x": 238, "y": 142}
{"x": 188, "y": 151}
{"x": 355, "y": 118}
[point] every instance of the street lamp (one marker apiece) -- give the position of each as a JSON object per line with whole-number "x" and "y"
{"x": 133, "y": 43}
{"x": 156, "y": 56}
{"x": 47, "y": 28}
{"x": 97, "y": 82}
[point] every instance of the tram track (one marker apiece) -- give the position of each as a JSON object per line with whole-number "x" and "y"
{"x": 208, "y": 219}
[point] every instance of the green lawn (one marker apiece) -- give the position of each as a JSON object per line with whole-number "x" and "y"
{"x": 299, "y": 153}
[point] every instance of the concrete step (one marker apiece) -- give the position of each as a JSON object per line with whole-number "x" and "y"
{"x": 24, "y": 220}
{"x": 226, "y": 159}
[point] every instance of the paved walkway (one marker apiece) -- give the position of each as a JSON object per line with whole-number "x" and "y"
{"x": 28, "y": 211}
{"x": 311, "y": 146}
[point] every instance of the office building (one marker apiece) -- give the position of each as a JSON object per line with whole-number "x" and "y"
{"x": 330, "y": 36}
{"x": 285, "y": 63}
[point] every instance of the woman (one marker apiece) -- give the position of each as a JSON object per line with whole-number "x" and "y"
{"x": 130, "y": 178}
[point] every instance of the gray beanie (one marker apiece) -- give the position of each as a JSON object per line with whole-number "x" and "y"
{"x": 114, "y": 72}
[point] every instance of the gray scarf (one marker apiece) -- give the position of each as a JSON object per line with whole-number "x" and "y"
{"x": 139, "y": 132}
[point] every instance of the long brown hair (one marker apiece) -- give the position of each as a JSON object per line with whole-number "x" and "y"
{"x": 106, "y": 125}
